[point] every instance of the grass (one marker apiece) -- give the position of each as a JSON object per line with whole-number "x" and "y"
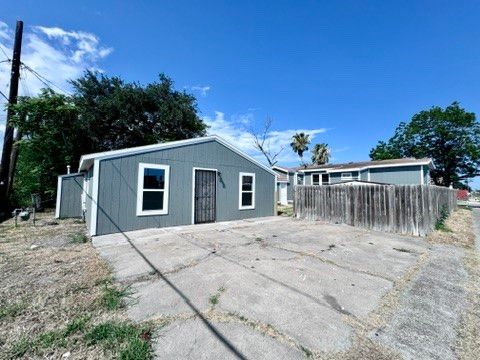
{"x": 11, "y": 310}
{"x": 113, "y": 298}
{"x": 82, "y": 297}
{"x": 131, "y": 341}
{"x": 78, "y": 238}
{"x": 125, "y": 340}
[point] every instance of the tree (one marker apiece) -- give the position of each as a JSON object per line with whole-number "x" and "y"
{"x": 320, "y": 154}
{"x": 119, "y": 115}
{"x": 299, "y": 144}
{"x": 104, "y": 113}
{"x": 450, "y": 137}
{"x": 261, "y": 141}
{"x": 52, "y": 138}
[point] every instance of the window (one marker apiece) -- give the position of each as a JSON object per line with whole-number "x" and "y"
{"x": 346, "y": 176}
{"x": 315, "y": 179}
{"x": 325, "y": 179}
{"x": 299, "y": 179}
{"x": 152, "y": 189}
{"x": 246, "y": 194}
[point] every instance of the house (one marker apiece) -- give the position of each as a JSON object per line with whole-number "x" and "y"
{"x": 176, "y": 183}
{"x": 407, "y": 171}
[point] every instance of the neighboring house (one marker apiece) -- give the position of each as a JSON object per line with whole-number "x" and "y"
{"x": 176, "y": 183}
{"x": 406, "y": 171}
{"x": 286, "y": 179}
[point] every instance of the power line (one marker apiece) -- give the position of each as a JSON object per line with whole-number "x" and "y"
{"x": 5, "y": 96}
{"x": 43, "y": 79}
{"x": 4, "y": 53}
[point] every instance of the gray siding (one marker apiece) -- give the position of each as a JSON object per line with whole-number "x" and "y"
{"x": 401, "y": 175}
{"x": 364, "y": 175}
{"x": 117, "y": 193}
{"x": 336, "y": 177}
{"x": 71, "y": 199}
{"x": 290, "y": 186}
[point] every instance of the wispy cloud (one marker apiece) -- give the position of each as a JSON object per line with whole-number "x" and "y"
{"x": 234, "y": 130}
{"x": 200, "y": 89}
{"x": 58, "y": 55}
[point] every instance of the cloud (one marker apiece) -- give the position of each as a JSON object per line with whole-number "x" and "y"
{"x": 202, "y": 90}
{"x": 58, "y": 55}
{"x": 234, "y": 131}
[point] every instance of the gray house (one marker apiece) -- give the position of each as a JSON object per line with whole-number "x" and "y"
{"x": 176, "y": 183}
{"x": 406, "y": 171}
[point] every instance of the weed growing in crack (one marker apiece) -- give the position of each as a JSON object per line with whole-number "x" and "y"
{"x": 216, "y": 297}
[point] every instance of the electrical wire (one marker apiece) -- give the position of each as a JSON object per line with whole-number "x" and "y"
{"x": 44, "y": 80}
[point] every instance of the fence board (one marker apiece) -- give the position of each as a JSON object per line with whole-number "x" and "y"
{"x": 405, "y": 209}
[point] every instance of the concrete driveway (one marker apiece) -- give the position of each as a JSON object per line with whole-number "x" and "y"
{"x": 279, "y": 288}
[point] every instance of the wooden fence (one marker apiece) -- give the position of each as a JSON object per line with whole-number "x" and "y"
{"x": 404, "y": 209}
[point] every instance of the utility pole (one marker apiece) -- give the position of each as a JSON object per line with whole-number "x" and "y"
{"x": 9, "y": 130}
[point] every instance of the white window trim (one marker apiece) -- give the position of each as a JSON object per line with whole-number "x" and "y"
{"x": 344, "y": 176}
{"x": 240, "y": 176}
{"x": 140, "y": 189}
{"x": 59, "y": 197}
{"x": 319, "y": 177}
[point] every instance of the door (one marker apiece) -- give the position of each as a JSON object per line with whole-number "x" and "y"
{"x": 205, "y": 196}
{"x": 283, "y": 194}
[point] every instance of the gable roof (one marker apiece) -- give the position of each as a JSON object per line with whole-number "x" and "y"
{"x": 86, "y": 161}
{"x": 362, "y": 165}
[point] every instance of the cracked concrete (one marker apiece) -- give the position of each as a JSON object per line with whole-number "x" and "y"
{"x": 290, "y": 288}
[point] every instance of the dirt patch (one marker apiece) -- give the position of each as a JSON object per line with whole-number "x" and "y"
{"x": 53, "y": 289}
{"x": 459, "y": 232}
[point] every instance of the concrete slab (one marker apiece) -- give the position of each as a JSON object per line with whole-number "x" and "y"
{"x": 171, "y": 342}
{"x": 425, "y": 326}
{"x": 308, "y": 281}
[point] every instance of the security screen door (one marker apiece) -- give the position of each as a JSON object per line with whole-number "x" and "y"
{"x": 205, "y": 196}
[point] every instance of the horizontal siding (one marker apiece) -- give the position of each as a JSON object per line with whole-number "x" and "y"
{"x": 71, "y": 199}
{"x": 401, "y": 175}
{"x": 117, "y": 194}
{"x": 336, "y": 177}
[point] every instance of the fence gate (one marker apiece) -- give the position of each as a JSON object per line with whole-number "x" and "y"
{"x": 205, "y": 196}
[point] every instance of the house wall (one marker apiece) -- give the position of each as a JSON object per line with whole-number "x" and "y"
{"x": 364, "y": 175}
{"x": 426, "y": 174}
{"x": 290, "y": 186}
{"x": 400, "y": 175}
{"x": 71, "y": 196}
{"x": 117, "y": 192}
{"x": 336, "y": 177}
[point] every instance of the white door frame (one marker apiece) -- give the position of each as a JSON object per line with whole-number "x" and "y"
{"x": 193, "y": 190}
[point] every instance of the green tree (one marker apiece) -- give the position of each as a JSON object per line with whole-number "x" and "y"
{"x": 320, "y": 154}
{"x": 450, "y": 137}
{"x": 52, "y": 138}
{"x": 104, "y": 113}
{"x": 119, "y": 115}
{"x": 299, "y": 144}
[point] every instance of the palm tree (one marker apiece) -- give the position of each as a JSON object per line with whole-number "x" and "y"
{"x": 299, "y": 144}
{"x": 320, "y": 154}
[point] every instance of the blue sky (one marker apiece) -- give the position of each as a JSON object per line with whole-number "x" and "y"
{"x": 348, "y": 71}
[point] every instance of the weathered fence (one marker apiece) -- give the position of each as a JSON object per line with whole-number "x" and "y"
{"x": 404, "y": 209}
